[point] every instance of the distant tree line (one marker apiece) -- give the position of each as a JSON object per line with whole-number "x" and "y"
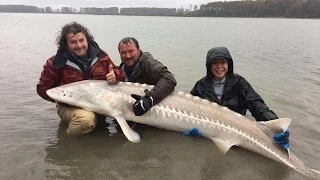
{"x": 19, "y": 8}
{"x": 101, "y": 11}
{"x": 243, "y": 8}
{"x": 261, "y": 8}
{"x": 144, "y": 11}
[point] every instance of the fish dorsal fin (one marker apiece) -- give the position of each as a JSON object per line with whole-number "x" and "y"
{"x": 223, "y": 145}
{"x": 277, "y": 125}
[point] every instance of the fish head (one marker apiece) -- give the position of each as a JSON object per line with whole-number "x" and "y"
{"x": 96, "y": 96}
{"x": 72, "y": 93}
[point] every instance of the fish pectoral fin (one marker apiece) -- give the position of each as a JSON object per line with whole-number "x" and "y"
{"x": 130, "y": 134}
{"x": 277, "y": 125}
{"x": 223, "y": 145}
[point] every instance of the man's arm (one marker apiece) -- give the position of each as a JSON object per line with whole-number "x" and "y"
{"x": 195, "y": 88}
{"x": 163, "y": 79}
{"x": 164, "y": 83}
{"x": 256, "y": 104}
{"x": 49, "y": 78}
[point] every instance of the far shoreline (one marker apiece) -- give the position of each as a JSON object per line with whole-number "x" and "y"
{"x": 253, "y": 17}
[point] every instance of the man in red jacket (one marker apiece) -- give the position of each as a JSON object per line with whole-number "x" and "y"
{"x": 78, "y": 58}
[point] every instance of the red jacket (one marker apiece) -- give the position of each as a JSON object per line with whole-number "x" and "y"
{"x": 60, "y": 70}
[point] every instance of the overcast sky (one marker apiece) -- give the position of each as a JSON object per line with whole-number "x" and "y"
{"x": 108, "y": 3}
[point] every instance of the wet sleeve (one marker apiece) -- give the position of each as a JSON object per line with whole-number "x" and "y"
{"x": 163, "y": 79}
{"x": 256, "y": 104}
{"x": 49, "y": 78}
{"x": 194, "y": 90}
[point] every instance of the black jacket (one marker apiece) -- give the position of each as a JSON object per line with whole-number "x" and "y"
{"x": 151, "y": 71}
{"x": 238, "y": 95}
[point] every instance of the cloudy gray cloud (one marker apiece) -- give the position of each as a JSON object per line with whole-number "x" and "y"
{"x": 108, "y": 3}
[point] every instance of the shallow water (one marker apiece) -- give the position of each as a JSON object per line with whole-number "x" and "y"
{"x": 279, "y": 57}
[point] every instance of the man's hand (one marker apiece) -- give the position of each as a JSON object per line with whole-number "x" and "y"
{"x": 142, "y": 104}
{"x": 282, "y": 139}
{"x": 111, "y": 76}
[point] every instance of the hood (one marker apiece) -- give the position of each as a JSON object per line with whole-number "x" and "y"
{"x": 93, "y": 50}
{"x": 219, "y": 52}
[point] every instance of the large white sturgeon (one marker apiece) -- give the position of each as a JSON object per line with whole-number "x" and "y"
{"x": 182, "y": 112}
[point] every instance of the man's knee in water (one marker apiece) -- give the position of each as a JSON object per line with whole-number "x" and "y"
{"x": 82, "y": 122}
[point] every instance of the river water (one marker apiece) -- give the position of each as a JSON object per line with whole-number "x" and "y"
{"x": 279, "y": 57}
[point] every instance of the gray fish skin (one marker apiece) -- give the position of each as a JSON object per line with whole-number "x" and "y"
{"x": 181, "y": 112}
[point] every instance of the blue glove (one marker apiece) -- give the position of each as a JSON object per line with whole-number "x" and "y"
{"x": 142, "y": 104}
{"x": 282, "y": 139}
{"x": 193, "y": 132}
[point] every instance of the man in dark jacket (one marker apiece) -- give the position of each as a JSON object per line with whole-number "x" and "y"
{"x": 223, "y": 86}
{"x": 141, "y": 67}
{"x": 78, "y": 58}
